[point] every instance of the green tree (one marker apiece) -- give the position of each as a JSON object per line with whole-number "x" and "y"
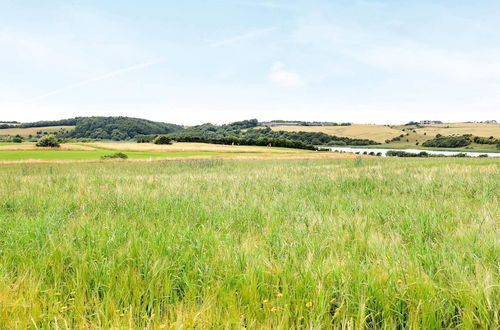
{"x": 48, "y": 141}
{"x": 163, "y": 139}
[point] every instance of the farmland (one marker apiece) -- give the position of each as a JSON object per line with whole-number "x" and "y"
{"x": 25, "y": 132}
{"x": 476, "y": 129}
{"x": 378, "y": 133}
{"x": 28, "y": 152}
{"x": 312, "y": 243}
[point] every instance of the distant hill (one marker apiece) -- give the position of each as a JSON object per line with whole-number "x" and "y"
{"x": 119, "y": 128}
{"x": 103, "y": 128}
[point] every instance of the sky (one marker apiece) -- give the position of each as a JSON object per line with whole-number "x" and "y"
{"x": 191, "y": 62}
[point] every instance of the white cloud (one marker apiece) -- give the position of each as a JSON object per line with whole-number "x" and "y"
{"x": 283, "y": 77}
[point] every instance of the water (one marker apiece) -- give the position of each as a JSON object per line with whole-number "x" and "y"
{"x": 415, "y": 151}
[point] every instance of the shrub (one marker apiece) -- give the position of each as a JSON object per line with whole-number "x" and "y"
{"x": 17, "y": 139}
{"x": 162, "y": 139}
{"x": 337, "y": 143}
{"x": 48, "y": 141}
{"x": 448, "y": 141}
{"x": 118, "y": 155}
{"x": 141, "y": 138}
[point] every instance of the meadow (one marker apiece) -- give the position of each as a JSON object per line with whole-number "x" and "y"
{"x": 310, "y": 243}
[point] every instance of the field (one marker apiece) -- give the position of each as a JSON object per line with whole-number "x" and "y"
{"x": 25, "y": 132}
{"x": 378, "y": 133}
{"x": 231, "y": 244}
{"x": 484, "y": 130}
{"x": 28, "y": 152}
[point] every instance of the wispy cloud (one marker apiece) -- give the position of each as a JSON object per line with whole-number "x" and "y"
{"x": 283, "y": 77}
{"x": 105, "y": 76}
{"x": 242, "y": 37}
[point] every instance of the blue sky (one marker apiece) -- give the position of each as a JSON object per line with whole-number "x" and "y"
{"x": 218, "y": 61}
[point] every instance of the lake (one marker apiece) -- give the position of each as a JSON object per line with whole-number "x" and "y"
{"x": 415, "y": 151}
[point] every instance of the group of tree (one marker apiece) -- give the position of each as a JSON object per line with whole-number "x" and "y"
{"x": 103, "y": 128}
{"x": 50, "y": 141}
{"x": 119, "y": 128}
{"x": 302, "y": 123}
{"x": 46, "y": 123}
{"x": 248, "y": 132}
{"x": 452, "y": 141}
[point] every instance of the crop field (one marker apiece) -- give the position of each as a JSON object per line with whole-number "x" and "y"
{"x": 477, "y": 129}
{"x": 378, "y": 133}
{"x": 28, "y": 152}
{"x": 256, "y": 244}
{"x": 25, "y": 132}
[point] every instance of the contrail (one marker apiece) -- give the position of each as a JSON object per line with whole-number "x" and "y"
{"x": 98, "y": 78}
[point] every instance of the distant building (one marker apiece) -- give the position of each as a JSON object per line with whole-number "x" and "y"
{"x": 430, "y": 122}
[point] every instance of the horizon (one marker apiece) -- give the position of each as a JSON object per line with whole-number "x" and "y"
{"x": 259, "y": 120}
{"x": 192, "y": 62}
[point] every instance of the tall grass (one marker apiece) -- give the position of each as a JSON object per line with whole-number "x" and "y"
{"x": 379, "y": 243}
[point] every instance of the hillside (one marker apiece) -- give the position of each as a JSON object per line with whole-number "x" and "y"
{"x": 411, "y": 134}
{"x": 119, "y": 128}
{"x": 100, "y": 128}
{"x": 477, "y": 129}
{"x": 378, "y": 133}
{"x": 28, "y": 132}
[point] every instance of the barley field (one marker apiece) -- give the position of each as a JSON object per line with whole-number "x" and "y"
{"x": 24, "y": 132}
{"x": 378, "y": 133}
{"x": 231, "y": 244}
{"x": 478, "y": 129}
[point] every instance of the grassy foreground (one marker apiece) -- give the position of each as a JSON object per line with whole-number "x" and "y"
{"x": 349, "y": 243}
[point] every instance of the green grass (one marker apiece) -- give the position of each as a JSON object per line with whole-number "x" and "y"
{"x": 353, "y": 243}
{"x": 9, "y": 143}
{"x": 51, "y": 154}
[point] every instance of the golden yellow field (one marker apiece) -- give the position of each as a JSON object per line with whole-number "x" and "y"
{"x": 378, "y": 133}
{"x": 32, "y": 130}
{"x": 91, "y": 152}
{"x": 185, "y": 146}
{"x": 476, "y": 129}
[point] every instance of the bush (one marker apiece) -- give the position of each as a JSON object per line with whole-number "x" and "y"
{"x": 118, "y": 155}
{"x": 163, "y": 139}
{"x": 448, "y": 141}
{"x": 337, "y": 143}
{"x": 48, "y": 141}
{"x": 141, "y": 138}
{"x": 17, "y": 139}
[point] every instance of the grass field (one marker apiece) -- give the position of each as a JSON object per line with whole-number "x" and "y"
{"x": 378, "y": 133}
{"x": 28, "y": 152}
{"x": 335, "y": 243}
{"x": 25, "y": 132}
